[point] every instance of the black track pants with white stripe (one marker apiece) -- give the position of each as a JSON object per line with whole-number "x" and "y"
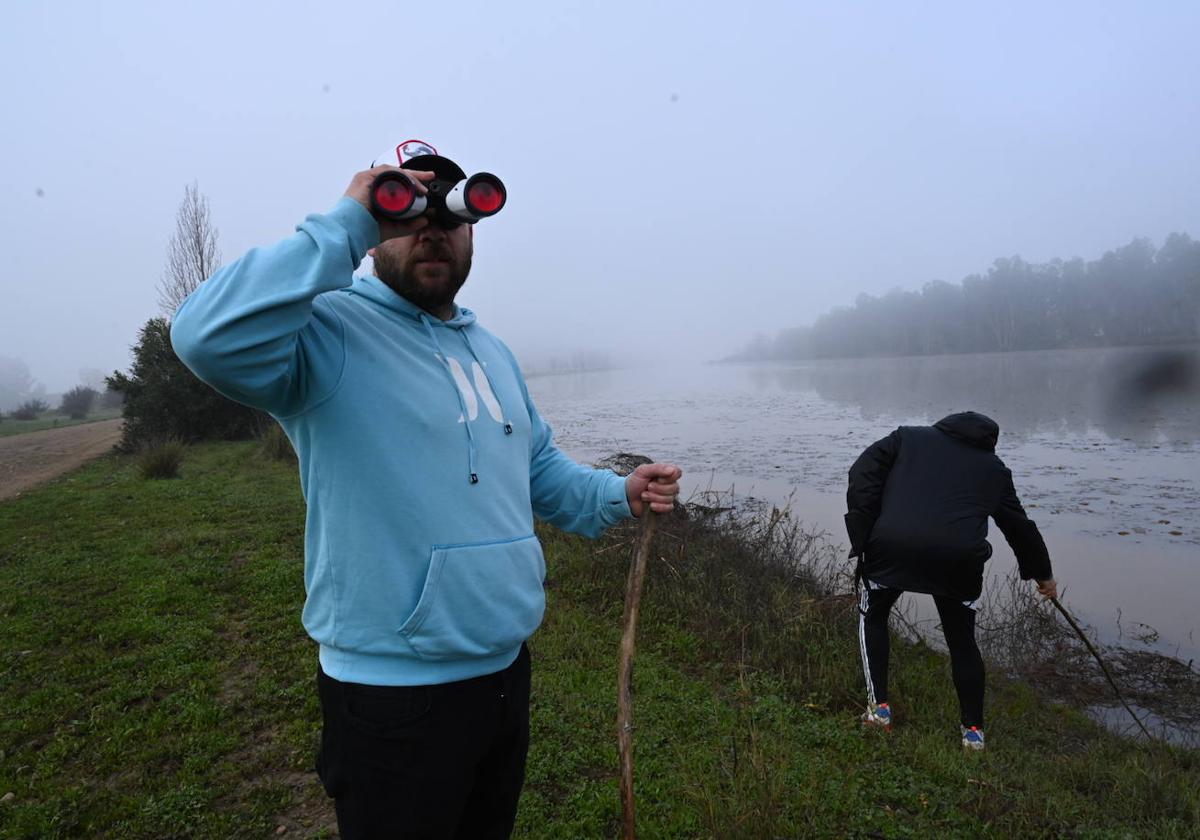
{"x": 958, "y": 625}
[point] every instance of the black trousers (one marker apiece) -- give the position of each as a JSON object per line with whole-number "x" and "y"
{"x": 958, "y": 625}
{"x": 432, "y": 761}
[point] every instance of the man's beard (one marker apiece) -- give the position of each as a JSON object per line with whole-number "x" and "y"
{"x": 400, "y": 275}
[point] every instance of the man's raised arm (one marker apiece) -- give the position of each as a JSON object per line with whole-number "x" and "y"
{"x": 255, "y": 330}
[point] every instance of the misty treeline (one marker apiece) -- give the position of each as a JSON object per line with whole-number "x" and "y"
{"x": 24, "y": 398}
{"x": 1132, "y": 295}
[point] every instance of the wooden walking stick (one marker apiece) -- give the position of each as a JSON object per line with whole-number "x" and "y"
{"x": 633, "y": 596}
{"x": 1103, "y": 667}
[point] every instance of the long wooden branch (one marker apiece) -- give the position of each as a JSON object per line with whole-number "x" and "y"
{"x": 633, "y": 597}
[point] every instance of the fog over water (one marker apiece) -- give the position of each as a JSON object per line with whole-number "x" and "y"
{"x": 681, "y": 178}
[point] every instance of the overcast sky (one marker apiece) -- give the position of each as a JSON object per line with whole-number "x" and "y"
{"x": 681, "y": 175}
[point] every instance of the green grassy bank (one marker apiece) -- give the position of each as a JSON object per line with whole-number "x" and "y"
{"x": 155, "y": 682}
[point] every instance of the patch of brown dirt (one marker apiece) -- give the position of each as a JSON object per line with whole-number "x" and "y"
{"x": 34, "y": 458}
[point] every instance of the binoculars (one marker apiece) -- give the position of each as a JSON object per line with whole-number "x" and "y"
{"x": 451, "y": 203}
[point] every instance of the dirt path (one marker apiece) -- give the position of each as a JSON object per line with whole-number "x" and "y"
{"x": 28, "y": 460}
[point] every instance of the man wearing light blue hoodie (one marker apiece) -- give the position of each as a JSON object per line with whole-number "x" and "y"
{"x": 423, "y": 462}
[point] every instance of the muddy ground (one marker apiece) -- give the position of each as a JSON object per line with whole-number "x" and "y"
{"x": 33, "y": 458}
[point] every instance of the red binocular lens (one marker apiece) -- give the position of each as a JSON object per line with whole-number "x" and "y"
{"x": 483, "y": 195}
{"x": 394, "y": 196}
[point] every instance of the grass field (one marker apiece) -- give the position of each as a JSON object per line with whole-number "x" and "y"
{"x": 52, "y": 420}
{"x": 155, "y": 682}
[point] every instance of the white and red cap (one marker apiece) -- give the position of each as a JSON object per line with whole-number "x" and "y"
{"x": 417, "y": 154}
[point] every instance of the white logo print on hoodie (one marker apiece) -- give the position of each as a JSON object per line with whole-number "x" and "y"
{"x": 481, "y": 385}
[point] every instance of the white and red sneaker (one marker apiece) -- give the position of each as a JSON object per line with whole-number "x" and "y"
{"x": 878, "y": 715}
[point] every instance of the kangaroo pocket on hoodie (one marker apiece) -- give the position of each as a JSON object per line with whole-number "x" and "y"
{"x": 478, "y": 600}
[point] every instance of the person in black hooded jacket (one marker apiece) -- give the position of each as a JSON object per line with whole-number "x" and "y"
{"x": 918, "y": 504}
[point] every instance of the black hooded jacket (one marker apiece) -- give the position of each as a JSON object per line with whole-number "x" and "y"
{"x": 918, "y": 505}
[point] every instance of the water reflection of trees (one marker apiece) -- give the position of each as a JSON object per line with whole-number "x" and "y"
{"x": 1138, "y": 393}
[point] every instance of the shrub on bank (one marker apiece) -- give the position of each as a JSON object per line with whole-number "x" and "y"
{"x": 161, "y": 460}
{"x": 30, "y": 409}
{"x": 77, "y": 402}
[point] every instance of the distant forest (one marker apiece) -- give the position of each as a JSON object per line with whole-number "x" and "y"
{"x": 1132, "y": 295}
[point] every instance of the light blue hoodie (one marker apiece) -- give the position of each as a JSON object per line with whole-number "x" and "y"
{"x": 422, "y": 457}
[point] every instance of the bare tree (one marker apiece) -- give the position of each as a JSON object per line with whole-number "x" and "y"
{"x": 192, "y": 255}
